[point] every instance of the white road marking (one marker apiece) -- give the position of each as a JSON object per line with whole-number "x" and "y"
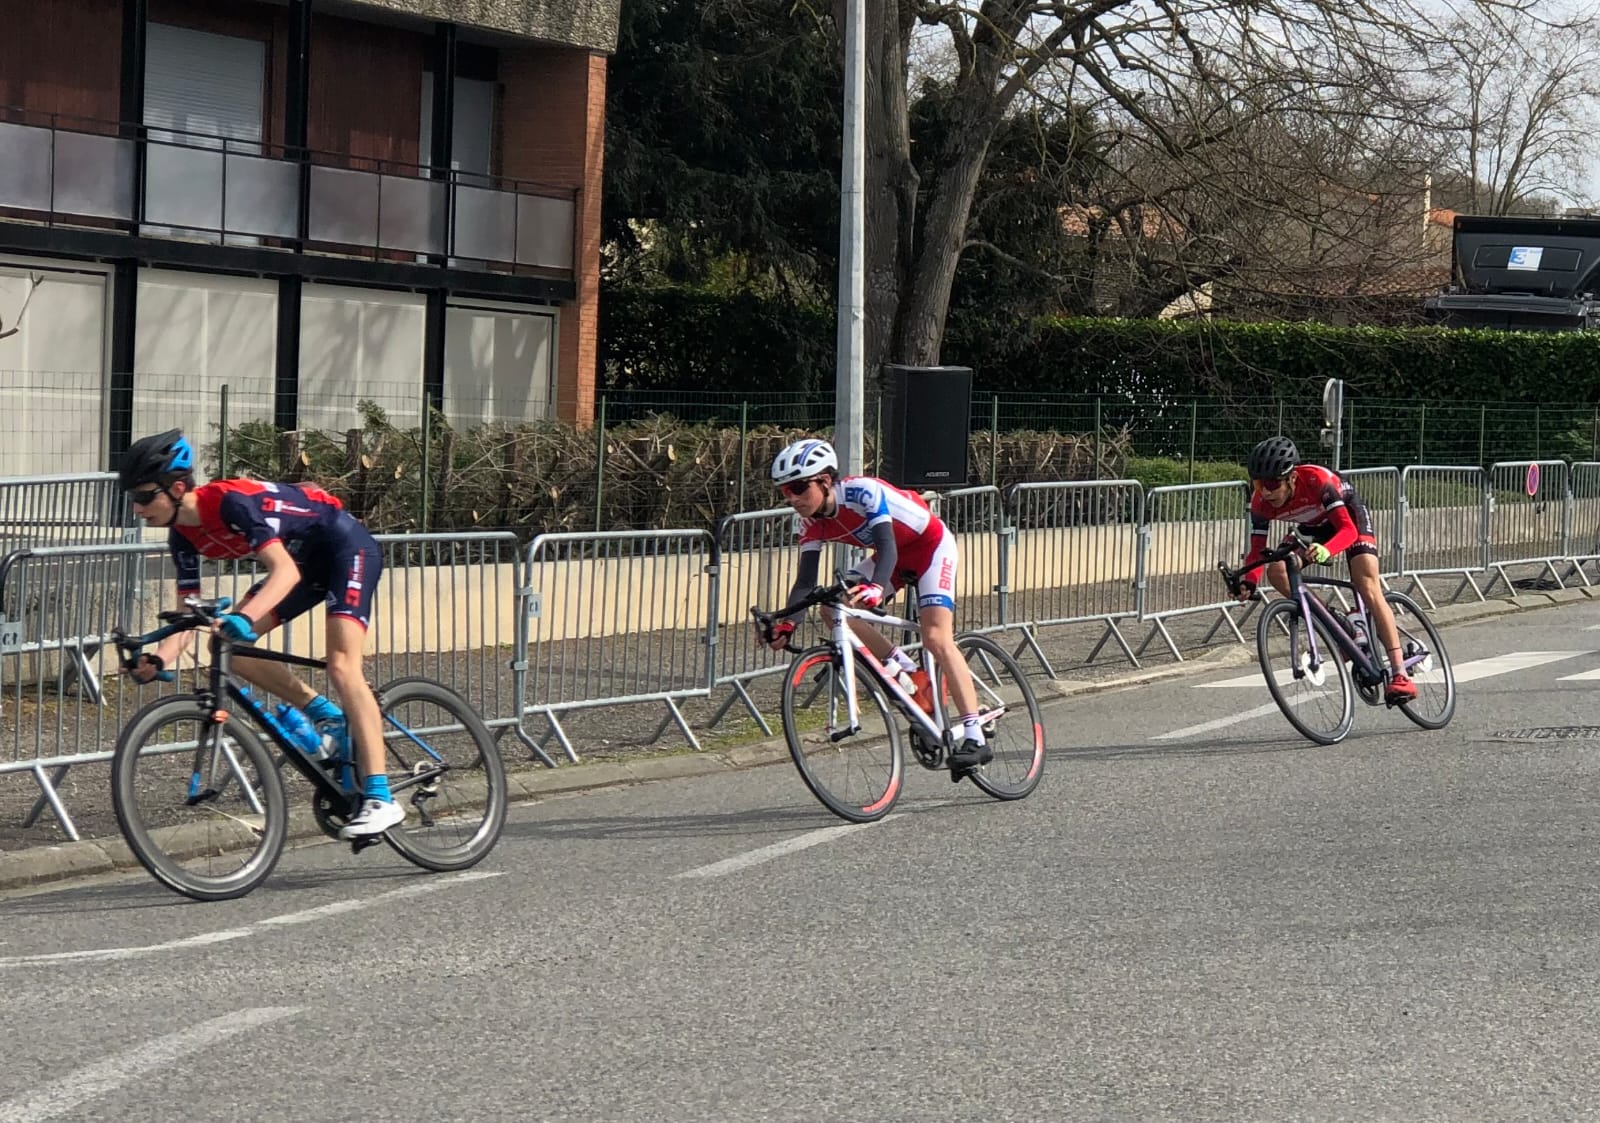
{"x": 1581, "y": 676}
{"x": 111, "y": 1073}
{"x": 1253, "y": 679}
{"x": 1513, "y": 661}
{"x": 779, "y": 849}
{"x": 306, "y": 916}
{"x": 1220, "y": 723}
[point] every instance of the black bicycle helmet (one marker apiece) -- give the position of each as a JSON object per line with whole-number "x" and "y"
{"x": 1272, "y": 459}
{"x": 156, "y": 460}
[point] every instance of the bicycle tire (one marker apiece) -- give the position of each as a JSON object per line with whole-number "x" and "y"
{"x": 1018, "y": 762}
{"x": 826, "y": 764}
{"x": 1283, "y": 620}
{"x": 166, "y": 832}
{"x": 1404, "y": 609}
{"x": 475, "y": 806}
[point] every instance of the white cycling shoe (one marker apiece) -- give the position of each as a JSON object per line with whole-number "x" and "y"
{"x": 375, "y": 817}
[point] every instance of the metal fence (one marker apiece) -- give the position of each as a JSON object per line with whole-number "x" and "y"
{"x": 586, "y": 622}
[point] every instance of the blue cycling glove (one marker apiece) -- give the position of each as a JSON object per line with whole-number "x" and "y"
{"x": 237, "y": 627}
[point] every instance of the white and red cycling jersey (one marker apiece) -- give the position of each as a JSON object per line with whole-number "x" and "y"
{"x": 925, "y": 555}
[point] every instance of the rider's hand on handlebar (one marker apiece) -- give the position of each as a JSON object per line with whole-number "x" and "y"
{"x": 1247, "y": 590}
{"x": 779, "y": 634}
{"x": 1315, "y": 554}
{"x": 866, "y": 596}
{"x": 146, "y": 667}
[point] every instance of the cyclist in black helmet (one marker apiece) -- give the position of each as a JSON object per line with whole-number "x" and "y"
{"x": 1331, "y": 512}
{"x": 315, "y": 553}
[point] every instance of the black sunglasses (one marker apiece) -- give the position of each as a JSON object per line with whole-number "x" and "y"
{"x": 796, "y": 489}
{"x": 144, "y": 498}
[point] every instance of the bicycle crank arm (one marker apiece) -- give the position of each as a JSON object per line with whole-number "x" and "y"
{"x": 843, "y": 733}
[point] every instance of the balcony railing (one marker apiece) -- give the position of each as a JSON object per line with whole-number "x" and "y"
{"x": 76, "y": 172}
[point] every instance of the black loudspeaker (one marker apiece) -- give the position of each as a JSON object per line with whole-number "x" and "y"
{"x": 927, "y": 415}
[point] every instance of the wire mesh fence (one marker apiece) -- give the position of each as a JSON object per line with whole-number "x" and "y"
{"x": 405, "y": 468}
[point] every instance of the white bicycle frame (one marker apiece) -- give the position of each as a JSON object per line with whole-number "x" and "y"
{"x": 845, "y": 639}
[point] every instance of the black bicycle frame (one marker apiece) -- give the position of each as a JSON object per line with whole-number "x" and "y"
{"x": 1366, "y": 660}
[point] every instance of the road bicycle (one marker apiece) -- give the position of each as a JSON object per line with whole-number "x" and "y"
{"x": 201, "y": 801}
{"x": 836, "y": 694}
{"x": 1316, "y": 658}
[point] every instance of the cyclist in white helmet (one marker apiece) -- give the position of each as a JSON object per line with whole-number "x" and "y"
{"x": 909, "y": 545}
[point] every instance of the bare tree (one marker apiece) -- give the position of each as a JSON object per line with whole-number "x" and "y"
{"x": 1519, "y": 95}
{"x": 1186, "y": 86}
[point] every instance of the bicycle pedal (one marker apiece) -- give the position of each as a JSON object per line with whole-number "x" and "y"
{"x": 357, "y": 845}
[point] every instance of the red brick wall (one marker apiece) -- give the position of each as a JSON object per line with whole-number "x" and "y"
{"x": 553, "y": 132}
{"x": 63, "y": 57}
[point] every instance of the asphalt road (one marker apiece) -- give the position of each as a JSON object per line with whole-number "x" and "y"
{"x": 1222, "y": 925}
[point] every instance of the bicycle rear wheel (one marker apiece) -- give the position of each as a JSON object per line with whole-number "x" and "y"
{"x": 200, "y": 804}
{"x": 857, "y": 776}
{"x": 1434, "y": 677}
{"x": 444, "y": 767}
{"x": 1011, "y": 720}
{"x": 1317, "y": 697}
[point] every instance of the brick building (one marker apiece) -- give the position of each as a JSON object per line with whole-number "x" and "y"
{"x": 312, "y": 202}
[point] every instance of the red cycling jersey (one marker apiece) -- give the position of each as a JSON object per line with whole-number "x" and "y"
{"x": 1325, "y": 508}
{"x": 239, "y": 517}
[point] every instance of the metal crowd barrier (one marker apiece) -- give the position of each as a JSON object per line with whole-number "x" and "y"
{"x": 1526, "y": 521}
{"x": 61, "y": 708}
{"x": 1187, "y": 530}
{"x": 615, "y": 618}
{"x": 1075, "y": 557}
{"x": 1443, "y": 526}
{"x": 1583, "y": 517}
{"x": 757, "y": 569}
{"x": 976, "y": 516}
{"x": 72, "y": 510}
{"x": 1379, "y": 490}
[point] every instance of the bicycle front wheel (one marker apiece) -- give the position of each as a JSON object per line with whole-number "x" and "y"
{"x": 856, "y": 775}
{"x": 1011, "y": 720}
{"x": 200, "y": 803}
{"x": 1314, "y": 693}
{"x": 444, "y": 767}
{"x": 1434, "y": 677}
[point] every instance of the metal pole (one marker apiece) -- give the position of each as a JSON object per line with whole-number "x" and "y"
{"x": 1536, "y": 445}
{"x": 994, "y": 440}
{"x": 1422, "y": 429}
{"x": 1194, "y": 421}
{"x": 1097, "y": 438}
{"x": 744, "y": 442}
{"x": 1280, "y": 416}
{"x": 427, "y": 456}
{"x": 877, "y": 441}
{"x": 850, "y": 377}
{"x": 1594, "y": 437}
{"x": 599, "y": 463}
{"x": 1338, "y": 426}
{"x": 222, "y": 442}
{"x": 1483, "y": 419}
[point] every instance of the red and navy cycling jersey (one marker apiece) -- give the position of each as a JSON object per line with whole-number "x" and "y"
{"x": 240, "y": 517}
{"x": 1325, "y": 508}
{"x": 865, "y": 502}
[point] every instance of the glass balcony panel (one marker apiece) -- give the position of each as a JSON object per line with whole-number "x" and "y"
{"x": 486, "y": 224}
{"x": 344, "y": 207}
{"x": 544, "y": 232}
{"x": 263, "y": 197}
{"x": 94, "y": 176}
{"x": 24, "y": 167}
{"x": 413, "y": 215}
{"x": 183, "y": 189}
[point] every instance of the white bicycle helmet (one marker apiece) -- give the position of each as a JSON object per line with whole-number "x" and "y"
{"x": 802, "y": 460}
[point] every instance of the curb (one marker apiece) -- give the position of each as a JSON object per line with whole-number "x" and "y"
{"x": 58, "y": 862}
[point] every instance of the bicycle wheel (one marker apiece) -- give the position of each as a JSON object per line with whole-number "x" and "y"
{"x": 1011, "y": 720}
{"x": 445, "y": 766}
{"x": 1435, "y": 677}
{"x": 858, "y": 776}
{"x": 201, "y": 805}
{"x": 1318, "y": 700}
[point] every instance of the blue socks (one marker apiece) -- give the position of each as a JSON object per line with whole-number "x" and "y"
{"x": 323, "y": 709}
{"x": 376, "y": 787}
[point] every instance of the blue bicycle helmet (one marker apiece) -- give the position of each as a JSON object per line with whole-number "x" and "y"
{"x": 156, "y": 460}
